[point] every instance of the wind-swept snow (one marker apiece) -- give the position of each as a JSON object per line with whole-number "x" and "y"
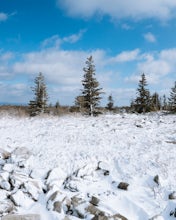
{"x": 90, "y": 156}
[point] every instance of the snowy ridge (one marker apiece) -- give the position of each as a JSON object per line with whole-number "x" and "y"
{"x": 53, "y": 162}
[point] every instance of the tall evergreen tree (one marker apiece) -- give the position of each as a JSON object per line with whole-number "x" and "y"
{"x": 155, "y": 102}
{"x": 39, "y": 104}
{"x": 164, "y": 103}
{"x": 110, "y": 104}
{"x": 91, "y": 91}
{"x": 142, "y": 102}
{"x": 172, "y": 98}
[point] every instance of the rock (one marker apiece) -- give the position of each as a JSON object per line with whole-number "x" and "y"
{"x": 56, "y": 175}
{"x": 17, "y": 179}
{"x": 156, "y": 179}
{"x": 22, "y": 217}
{"x": 157, "y": 217}
{"x": 173, "y": 213}
{"x": 94, "y": 201}
{"x": 4, "y": 175}
{"x": 56, "y": 198}
{"x": 76, "y": 201}
{"x": 104, "y": 167}
{"x": 21, "y": 199}
{"x": 3, "y": 195}
{"x": 39, "y": 173}
{"x": 94, "y": 210}
{"x": 5, "y": 185}
{"x": 100, "y": 217}
{"x": 34, "y": 188}
{"x": 123, "y": 186}
{"x": 6, "y": 206}
{"x": 66, "y": 218}
{"x": 118, "y": 217}
{"x": 4, "y": 154}
{"x": 9, "y": 167}
{"x": 57, "y": 206}
{"x": 172, "y": 195}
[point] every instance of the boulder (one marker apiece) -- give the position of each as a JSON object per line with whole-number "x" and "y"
{"x": 17, "y": 179}
{"x": 3, "y": 195}
{"x": 172, "y": 195}
{"x": 21, "y": 199}
{"x": 94, "y": 210}
{"x": 34, "y": 188}
{"x": 57, "y": 206}
{"x": 4, "y": 154}
{"x": 76, "y": 201}
{"x": 118, "y": 217}
{"x": 55, "y": 175}
{"x": 94, "y": 201}
{"x": 6, "y": 206}
{"x": 5, "y": 185}
{"x": 22, "y": 217}
{"x": 156, "y": 179}
{"x": 123, "y": 186}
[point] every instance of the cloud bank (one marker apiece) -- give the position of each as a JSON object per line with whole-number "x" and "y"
{"x": 135, "y": 9}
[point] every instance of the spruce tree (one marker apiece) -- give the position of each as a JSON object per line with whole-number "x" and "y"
{"x": 155, "y": 102}
{"x": 142, "y": 102}
{"x": 172, "y": 98}
{"x": 91, "y": 91}
{"x": 164, "y": 103}
{"x": 39, "y": 104}
{"x": 110, "y": 104}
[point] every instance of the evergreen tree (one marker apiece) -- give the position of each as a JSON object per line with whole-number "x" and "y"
{"x": 155, "y": 102}
{"x": 91, "y": 91}
{"x": 142, "y": 102}
{"x": 57, "y": 105}
{"x": 172, "y": 98}
{"x": 164, "y": 103}
{"x": 110, "y": 105}
{"x": 79, "y": 102}
{"x": 39, "y": 104}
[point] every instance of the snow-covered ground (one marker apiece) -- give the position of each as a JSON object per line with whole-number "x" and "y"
{"x": 90, "y": 156}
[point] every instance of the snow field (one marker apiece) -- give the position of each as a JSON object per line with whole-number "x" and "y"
{"x": 133, "y": 148}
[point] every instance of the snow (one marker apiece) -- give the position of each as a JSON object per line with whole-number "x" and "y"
{"x": 133, "y": 148}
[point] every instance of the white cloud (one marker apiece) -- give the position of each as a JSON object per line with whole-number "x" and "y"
{"x": 74, "y": 37}
{"x": 126, "y": 56}
{"x": 158, "y": 9}
{"x": 150, "y": 37}
{"x": 3, "y": 16}
{"x": 56, "y": 41}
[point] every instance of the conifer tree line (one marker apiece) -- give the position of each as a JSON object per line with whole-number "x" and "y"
{"x": 88, "y": 101}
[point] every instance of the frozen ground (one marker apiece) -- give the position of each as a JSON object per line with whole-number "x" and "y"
{"x": 133, "y": 148}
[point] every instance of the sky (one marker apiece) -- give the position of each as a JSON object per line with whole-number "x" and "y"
{"x": 126, "y": 38}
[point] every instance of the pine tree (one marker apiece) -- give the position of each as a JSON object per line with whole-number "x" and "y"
{"x": 172, "y": 98}
{"x": 79, "y": 102}
{"x": 110, "y": 104}
{"x": 164, "y": 103}
{"x": 39, "y": 104}
{"x": 155, "y": 102}
{"x": 142, "y": 102}
{"x": 91, "y": 91}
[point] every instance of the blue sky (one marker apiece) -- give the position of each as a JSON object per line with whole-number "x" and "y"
{"x": 125, "y": 38}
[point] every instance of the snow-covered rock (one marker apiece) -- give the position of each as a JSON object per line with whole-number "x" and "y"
{"x": 6, "y": 206}
{"x": 22, "y": 217}
{"x": 21, "y": 199}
